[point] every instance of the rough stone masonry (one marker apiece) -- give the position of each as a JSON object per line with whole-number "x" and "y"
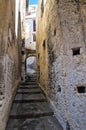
{"x": 9, "y": 73}
{"x": 61, "y": 56}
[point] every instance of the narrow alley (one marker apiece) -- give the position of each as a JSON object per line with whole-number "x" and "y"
{"x": 30, "y": 110}
{"x": 42, "y": 64}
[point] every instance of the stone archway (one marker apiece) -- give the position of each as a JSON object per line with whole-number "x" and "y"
{"x": 30, "y": 65}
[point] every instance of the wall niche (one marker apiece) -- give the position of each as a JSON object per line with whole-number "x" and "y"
{"x": 76, "y": 51}
{"x": 81, "y": 89}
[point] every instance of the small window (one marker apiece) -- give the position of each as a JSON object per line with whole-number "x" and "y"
{"x": 22, "y": 52}
{"x": 81, "y": 89}
{"x": 76, "y": 51}
{"x": 38, "y": 55}
{"x": 44, "y": 44}
{"x": 59, "y": 88}
{"x": 34, "y": 25}
{"x": 55, "y": 32}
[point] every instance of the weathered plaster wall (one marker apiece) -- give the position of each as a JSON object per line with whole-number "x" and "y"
{"x": 29, "y": 41}
{"x": 9, "y": 71}
{"x": 62, "y": 24}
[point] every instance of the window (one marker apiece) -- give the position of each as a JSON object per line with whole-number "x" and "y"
{"x": 38, "y": 55}
{"x": 55, "y": 32}
{"x": 34, "y": 25}
{"x": 22, "y": 52}
{"x": 44, "y": 44}
{"x": 76, "y": 51}
{"x": 81, "y": 89}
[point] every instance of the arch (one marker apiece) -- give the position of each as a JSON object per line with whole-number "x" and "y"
{"x": 30, "y": 65}
{"x": 29, "y": 55}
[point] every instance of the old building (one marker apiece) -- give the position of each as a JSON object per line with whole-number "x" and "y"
{"x": 61, "y": 59}
{"x": 30, "y": 28}
{"x": 10, "y": 44}
{"x": 30, "y": 40}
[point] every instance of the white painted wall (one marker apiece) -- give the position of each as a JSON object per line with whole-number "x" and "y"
{"x": 29, "y": 43}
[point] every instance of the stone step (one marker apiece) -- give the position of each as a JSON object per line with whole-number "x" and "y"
{"x": 29, "y": 87}
{"x": 32, "y": 85}
{"x": 29, "y": 101}
{"x": 28, "y": 83}
{"x": 29, "y": 96}
{"x": 35, "y": 78}
{"x": 38, "y": 92}
{"x": 29, "y": 90}
{"x": 31, "y": 76}
{"x": 31, "y": 115}
{"x": 34, "y": 81}
{"x": 31, "y": 110}
{"x": 42, "y": 123}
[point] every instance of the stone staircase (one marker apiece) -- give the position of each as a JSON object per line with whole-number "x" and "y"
{"x": 30, "y": 110}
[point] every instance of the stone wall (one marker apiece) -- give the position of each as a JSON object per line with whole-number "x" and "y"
{"x": 61, "y": 55}
{"x": 9, "y": 71}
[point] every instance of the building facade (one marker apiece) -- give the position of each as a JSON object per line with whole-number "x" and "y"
{"x": 30, "y": 28}
{"x": 61, "y": 58}
{"x": 30, "y": 41}
{"x": 10, "y": 43}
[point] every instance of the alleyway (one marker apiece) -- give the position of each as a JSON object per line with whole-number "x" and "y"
{"x": 30, "y": 110}
{"x": 43, "y": 65}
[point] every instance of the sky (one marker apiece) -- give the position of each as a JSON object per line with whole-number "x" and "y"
{"x": 31, "y": 2}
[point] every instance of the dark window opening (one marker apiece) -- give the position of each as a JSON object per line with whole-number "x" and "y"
{"x": 22, "y": 52}
{"x": 54, "y": 32}
{"x": 59, "y": 88}
{"x": 76, "y": 51}
{"x": 44, "y": 44}
{"x": 34, "y": 25}
{"x": 81, "y": 89}
{"x": 38, "y": 55}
